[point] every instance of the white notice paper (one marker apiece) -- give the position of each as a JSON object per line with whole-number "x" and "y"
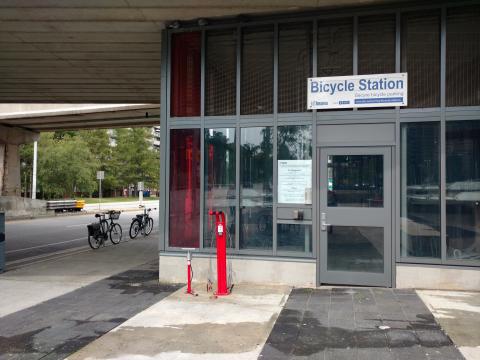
{"x": 294, "y": 181}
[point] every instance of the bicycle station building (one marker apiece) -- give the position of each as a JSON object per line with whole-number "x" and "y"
{"x": 380, "y": 196}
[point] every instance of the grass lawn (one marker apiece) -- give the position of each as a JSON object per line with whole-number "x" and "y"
{"x": 116, "y": 199}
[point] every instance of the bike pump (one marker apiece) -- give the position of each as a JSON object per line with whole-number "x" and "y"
{"x": 189, "y": 271}
{"x": 220, "y": 230}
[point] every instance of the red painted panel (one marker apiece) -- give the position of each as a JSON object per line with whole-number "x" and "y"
{"x": 184, "y": 222}
{"x": 185, "y": 74}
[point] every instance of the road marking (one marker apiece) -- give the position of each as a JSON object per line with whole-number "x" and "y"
{"x": 46, "y": 245}
{"x": 12, "y": 265}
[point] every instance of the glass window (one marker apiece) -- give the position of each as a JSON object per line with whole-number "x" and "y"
{"x": 335, "y": 47}
{"x": 421, "y": 57}
{"x": 355, "y": 180}
{"x": 185, "y": 73}
{"x": 219, "y": 182}
{"x": 256, "y": 188}
{"x": 220, "y": 72}
{"x": 376, "y": 44}
{"x": 420, "y": 190}
{"x": 294, "y": 146}
{"x": 294, "y": 66}
{"x": 257, "y": 71}
{"x": 463, "y": 56}
{"x": 184, "y": 197}
{"x": 294, "y": 237}
{"x": 355, "y": 248}
{"x": 463, "y": 189}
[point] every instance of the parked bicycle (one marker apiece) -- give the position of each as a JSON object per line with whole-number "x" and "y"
{"x": 106, "y": 228}
{"x": 142, "y": 223}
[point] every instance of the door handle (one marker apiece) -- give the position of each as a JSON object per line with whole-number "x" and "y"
{"x": 323, "y": 222}
{"x": 324, "y": 226}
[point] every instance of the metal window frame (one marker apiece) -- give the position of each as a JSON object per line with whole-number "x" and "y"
{"x": 397, "y": 116}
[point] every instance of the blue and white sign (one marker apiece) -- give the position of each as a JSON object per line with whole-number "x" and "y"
{"x": 357, "y": 91}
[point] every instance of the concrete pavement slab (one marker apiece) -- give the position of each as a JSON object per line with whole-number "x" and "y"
{"x": 195, "y": 327}
{"x": 33, "y": 284}
{"x": 459, "y": 315}
{"x": 57, "y": 327}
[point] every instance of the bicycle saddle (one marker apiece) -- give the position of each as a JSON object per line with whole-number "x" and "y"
{"x": 97, "y": 215}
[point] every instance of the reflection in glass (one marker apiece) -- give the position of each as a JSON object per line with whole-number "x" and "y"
{"x": 376, "y": 44}
{"x": 219, "y": 182}
{"x": 295, "y": 142}
{"x": 355, "y": 248}
{"x": 184, "y": 199}
{"x": 420, "y": 190}
{"x": 355, "y": 180}
{"x": 335, "y": 47}
{"x": 421, "y": 57}
{"x": 257, "y": 70}
{"x": 294, "y": 237}
{"x": 220, "y": 72}
{"x": 294, "y": 66}
{"x": 256, "y": 187}
{"x": 463, "y": 189}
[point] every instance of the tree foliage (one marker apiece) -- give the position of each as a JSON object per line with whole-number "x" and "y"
{"x": 68, "y": 161}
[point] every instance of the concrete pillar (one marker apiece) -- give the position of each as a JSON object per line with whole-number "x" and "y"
{"x": 11, "y": 173}
{"x": 10, "y": 139}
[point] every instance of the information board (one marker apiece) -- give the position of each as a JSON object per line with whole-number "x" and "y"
{"x": 357, "y": 91}
{"x": 294, "y": 181}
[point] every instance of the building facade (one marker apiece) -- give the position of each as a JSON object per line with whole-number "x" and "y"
{"x": 388, "y": 196}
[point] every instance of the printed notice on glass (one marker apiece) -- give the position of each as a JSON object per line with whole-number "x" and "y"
{"x": 294, "y": 181}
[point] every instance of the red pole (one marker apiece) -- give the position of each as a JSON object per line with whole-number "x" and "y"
{"x": 189, "y": 273}
{"x": 221, "y": 254}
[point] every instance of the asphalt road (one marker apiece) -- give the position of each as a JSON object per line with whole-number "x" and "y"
{"x": 32, "y": 240}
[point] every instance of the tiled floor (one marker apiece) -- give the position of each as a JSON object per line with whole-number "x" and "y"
{"x": 357, "y": 323}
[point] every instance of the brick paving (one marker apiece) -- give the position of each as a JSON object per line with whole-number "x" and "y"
{"x": 357, "y": 323}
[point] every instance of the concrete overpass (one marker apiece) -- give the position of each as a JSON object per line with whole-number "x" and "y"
{"x": 100, "y": 52}
{"x": 104, "y": 51}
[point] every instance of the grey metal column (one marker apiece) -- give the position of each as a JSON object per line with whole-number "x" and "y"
{"x": 315, "y": 235}
{"x": 443, "y": 203}
{"x": 275, "y": 122}
{"x": 162, "y": 211}
{"x": 237, "y": 140}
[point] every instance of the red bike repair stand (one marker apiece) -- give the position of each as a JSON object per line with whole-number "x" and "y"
{"x": 220, "y": 231}
{"x": 189, "y": 271}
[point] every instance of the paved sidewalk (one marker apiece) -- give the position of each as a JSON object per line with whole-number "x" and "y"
{"x": 55, "y": 328}
{"x": 182, "y": 326}
{"x": 357, "y": 324}
{"x": 30, "y": 285}
{"x": 459, "y": 315}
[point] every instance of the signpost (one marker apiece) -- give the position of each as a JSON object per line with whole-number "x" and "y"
{"x": 140, "y": 192}
{"x": 357, "y": 91}
{"x": 100, "y": 177}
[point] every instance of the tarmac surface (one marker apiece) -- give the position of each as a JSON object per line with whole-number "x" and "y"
{"x": 32, "y": 239}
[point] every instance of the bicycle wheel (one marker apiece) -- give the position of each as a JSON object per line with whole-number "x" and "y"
{"x": 94, "y": 241}
{"x": 148, "y": 226}
{"x": 116, "y": 234}
{"x": 134, "y": 229}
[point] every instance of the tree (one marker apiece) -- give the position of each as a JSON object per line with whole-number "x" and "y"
{"x": 65, "y": 165}
{"x": 136, "y": 159}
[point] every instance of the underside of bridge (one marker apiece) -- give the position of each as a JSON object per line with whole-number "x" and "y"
{"x": 64, "y": 52}
{"x": 105, "y": 51}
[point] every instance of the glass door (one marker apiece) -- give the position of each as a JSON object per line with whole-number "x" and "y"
{"x": 355, "y": 216}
